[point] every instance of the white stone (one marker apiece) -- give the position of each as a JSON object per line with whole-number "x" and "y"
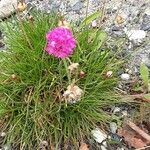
{"x": 98, "y": 135}
{"x": 7, "y": 7}
{"x": 3, "y": 134}
{"x": 136, "y": 35}
{"x": 124, "y": 113}
{"x": 147, "y": 11}
{"x": 94, "y": 23}
{"x": 116, "y": 109}
{"x": 125, "y": 76}
{"x": 103, "y": 148}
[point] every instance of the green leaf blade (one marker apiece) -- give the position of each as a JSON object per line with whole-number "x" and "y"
{"x": 144, "y": 73}
{"x": 90, "y": 18}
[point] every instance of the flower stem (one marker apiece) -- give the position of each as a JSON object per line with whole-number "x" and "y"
{"x": 67, "y": 71}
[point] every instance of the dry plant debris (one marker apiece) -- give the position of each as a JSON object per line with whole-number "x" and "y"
{"x": 83, "y": 146}
{"x": 134, "y": 136}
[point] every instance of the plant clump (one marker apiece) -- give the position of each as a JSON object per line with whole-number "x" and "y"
{"x": 58, "y": 98}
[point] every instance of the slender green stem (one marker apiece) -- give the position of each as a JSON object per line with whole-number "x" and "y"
{"x": 87, "y": 7}
{"x": 67, "y": 71}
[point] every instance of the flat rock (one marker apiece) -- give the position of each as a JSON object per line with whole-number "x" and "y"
{"x": 136, "y": 34}
{"x": 7, "y": 7}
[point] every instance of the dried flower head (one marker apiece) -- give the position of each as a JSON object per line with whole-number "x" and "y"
{"x": 73, "y": 67}
{"x": 60, "y": 42}
{"x": 109, "y": 74}
{"x": 63, "y": 23}
{"x": 21, "y": 6}
{"x": 73, "y": 94}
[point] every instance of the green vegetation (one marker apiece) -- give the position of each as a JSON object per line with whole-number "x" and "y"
{"x": 32, "y": 84}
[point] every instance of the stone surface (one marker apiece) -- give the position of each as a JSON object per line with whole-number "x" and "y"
{"x": 136, "y": 35}
{"x": 125, "y": 76}
{"x": 113, "y": 127}
{"x": 98, "y": 135}
{"x": 7, "y": 7}
{"x": 146, "y": 23}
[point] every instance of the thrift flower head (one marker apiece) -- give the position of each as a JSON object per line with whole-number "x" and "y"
{"x": 60, "y": 42}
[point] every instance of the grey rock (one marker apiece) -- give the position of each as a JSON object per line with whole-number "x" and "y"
{"x": 116, "y": 28}
{"x": 146, "y": 23}
{"x": 116, "y": 110}
{"x": 7, "y": 7}
{"x": 119, "y": 34}
{"x": 115, "y": 137}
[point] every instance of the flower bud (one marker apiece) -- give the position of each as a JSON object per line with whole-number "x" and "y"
{"x": 30, "y": 18}
{"x": 13, "y": 77}
{"x": 82, "y": 74}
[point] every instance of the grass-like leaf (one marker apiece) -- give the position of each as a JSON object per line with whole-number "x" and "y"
{"x": 32, "y": 83}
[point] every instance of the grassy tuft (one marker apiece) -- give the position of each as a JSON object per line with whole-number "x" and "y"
{"x": 32, "y": 84}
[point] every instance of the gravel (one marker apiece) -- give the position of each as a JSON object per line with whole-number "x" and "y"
{"x": 124, "y": 19}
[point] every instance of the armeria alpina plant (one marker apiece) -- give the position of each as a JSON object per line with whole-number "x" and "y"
{"x": 54, "y": 85}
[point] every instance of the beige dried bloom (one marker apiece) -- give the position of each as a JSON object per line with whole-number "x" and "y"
{"x": 63, "y": 23}
{"x": 73, "y": 67}
{"x": 73, "y": 94}
{"x": 109, "y": 74}
{"x": 21, "y": 6}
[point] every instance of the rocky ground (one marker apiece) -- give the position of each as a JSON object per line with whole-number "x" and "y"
{"x": 128, "y": 19}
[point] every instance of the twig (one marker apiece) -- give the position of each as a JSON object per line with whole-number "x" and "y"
{"x": 140, "y": 96}
{"x": 142, "y": 148}
{"x": 138, "y": 130}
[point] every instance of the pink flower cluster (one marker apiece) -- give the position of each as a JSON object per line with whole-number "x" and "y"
{"x": 60, "y": 42}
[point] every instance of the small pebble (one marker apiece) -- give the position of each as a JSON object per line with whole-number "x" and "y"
{"x": 113, "y": 127}
{"x": 118, "y": 148}
{"x": 136, "y": 35}
{"x": 99, "y": 135}
{"x": 128, "y": 71}
{"x": 115, "y": 137}
{"x": 3, "y": 134}
{"x": 125, "y": 76}
{"x": 94, "y": 23}
{"x": 124, "y": 113}
{"x": 116, "y": 110}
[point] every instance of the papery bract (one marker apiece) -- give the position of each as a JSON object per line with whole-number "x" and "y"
{"x": 60, "y": 42}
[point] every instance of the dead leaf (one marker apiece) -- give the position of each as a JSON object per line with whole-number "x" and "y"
{"x": 138, "y": 130}
{"x": 141, "y": 97}
{"x": 130, "y": 138}
{"x": 84, "y": 146}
